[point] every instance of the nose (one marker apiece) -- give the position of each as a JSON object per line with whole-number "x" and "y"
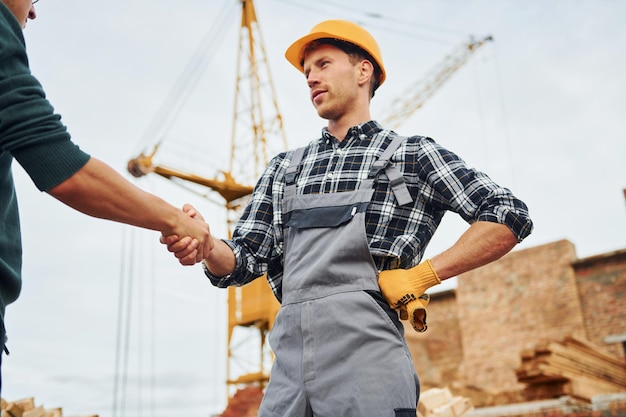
{"x": 311, "y": 79}
{"x": 32, "y": 14}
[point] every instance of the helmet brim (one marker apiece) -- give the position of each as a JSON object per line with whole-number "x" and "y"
{"x": 294, "y": 53}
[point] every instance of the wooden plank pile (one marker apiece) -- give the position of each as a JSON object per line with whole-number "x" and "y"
{"x": 573, "y": 367}
{"x": 439, "y": 402}
{"x": 26, "y": 408}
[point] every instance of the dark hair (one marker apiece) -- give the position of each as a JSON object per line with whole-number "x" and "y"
{"x": 355, "y": 52}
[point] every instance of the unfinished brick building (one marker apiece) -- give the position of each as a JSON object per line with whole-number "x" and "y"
{"x": 478, "y": 331}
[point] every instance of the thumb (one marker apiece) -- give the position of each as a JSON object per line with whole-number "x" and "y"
{"x": 190, "y": 210}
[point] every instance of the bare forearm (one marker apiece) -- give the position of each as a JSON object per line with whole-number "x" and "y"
{"x": 99, "y": 191}
{"x": 482, "y": 243}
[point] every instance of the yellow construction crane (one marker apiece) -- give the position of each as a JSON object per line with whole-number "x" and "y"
{"x": 257, "y": 124}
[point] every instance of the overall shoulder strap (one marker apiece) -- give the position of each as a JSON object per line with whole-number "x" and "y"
{"x": 294, "y": 166}
{"x": 396, "y": 180}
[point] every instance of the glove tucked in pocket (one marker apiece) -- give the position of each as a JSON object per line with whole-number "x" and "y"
{"x": 404, "y": 290}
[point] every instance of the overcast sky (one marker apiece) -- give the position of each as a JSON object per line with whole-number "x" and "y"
{"x": 541, "y": 109}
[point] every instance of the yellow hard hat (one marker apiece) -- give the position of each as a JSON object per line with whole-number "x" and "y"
{"x": 337, "y": 29}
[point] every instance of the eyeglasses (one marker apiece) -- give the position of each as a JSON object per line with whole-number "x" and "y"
{"x": 34, "y": 1}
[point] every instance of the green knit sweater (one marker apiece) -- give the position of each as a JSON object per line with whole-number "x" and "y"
{"x": 33, "y": 134}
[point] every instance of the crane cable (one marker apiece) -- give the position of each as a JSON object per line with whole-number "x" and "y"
{"x": 162, "y": 122}
{"x": 380, "y": 18}
{"x": 132, "y": 289}
{"x": 157, "y": 128}
{"x": 123, "y": 326}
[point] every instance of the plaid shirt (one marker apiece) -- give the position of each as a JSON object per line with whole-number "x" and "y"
{"x": 437, "y": 179}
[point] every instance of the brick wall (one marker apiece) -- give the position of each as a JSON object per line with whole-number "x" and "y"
{"x": 602, "y": 285}
{"x": 509, "y": 305}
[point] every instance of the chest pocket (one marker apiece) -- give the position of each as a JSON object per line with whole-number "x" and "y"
{"x": 332, "y": 216}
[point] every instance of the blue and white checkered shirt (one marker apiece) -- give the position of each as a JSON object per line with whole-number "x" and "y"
{"x": 437, "y": 179}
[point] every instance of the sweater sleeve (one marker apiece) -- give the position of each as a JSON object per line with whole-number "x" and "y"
{"x": 29, "y": 129}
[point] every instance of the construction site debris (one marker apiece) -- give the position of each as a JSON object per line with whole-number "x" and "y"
{"x": 436, "y": 402}
{"x": 611, "y": 405}
{"x": 439, "y": 402}
{"x": 245, "y": 402}
{"x": 26, "y": 408}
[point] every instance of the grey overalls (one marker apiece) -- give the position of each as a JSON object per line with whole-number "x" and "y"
{"x": 337, "y": 352}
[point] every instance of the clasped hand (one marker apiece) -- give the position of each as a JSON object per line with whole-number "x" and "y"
{"x": 187, "y": 249}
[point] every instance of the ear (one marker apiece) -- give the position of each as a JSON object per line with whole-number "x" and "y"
{"x": 366, "y": 71}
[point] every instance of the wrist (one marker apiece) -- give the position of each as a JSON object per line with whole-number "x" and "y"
{"x": 400, "y": 286}
{"x": 423, "y": 276}
{"x": 172, "y": 221}
{"x": 221, "y": 260}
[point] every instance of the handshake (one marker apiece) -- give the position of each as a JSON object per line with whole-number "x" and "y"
{"x": 404, "y": 290}
{"x": 190, "y": 240}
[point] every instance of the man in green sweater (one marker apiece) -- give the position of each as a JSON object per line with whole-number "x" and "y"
{"x": 33, "y": 135}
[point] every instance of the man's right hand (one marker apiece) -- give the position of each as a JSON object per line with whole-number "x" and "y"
{"x": 218, "y": 256}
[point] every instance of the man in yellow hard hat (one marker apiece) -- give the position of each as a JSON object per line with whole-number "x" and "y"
{"x": 340, "y": 227}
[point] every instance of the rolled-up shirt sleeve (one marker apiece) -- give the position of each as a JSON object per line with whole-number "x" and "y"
{"x": 471, "y": 193}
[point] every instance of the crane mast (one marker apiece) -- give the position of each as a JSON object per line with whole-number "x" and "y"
{"x": 253, "y": 305}
{"x": 257, "y": 133}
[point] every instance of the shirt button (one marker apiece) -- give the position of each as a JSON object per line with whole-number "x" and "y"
{"x": 330, "y": 175}
{"x": 362, "y": 136}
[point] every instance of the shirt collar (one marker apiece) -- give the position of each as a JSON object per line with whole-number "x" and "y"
{"x": 362, "y": 131}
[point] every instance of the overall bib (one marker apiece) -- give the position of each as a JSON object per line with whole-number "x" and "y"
{"x": 338, "y": 353}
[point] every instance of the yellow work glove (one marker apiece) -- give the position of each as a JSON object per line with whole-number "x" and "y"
{"x": 402, "y": 288}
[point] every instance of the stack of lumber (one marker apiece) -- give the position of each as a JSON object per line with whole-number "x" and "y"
{"x": 26, "y": 408}
{"x": 573, "y": 367}
{"x": 439, "y": 402}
